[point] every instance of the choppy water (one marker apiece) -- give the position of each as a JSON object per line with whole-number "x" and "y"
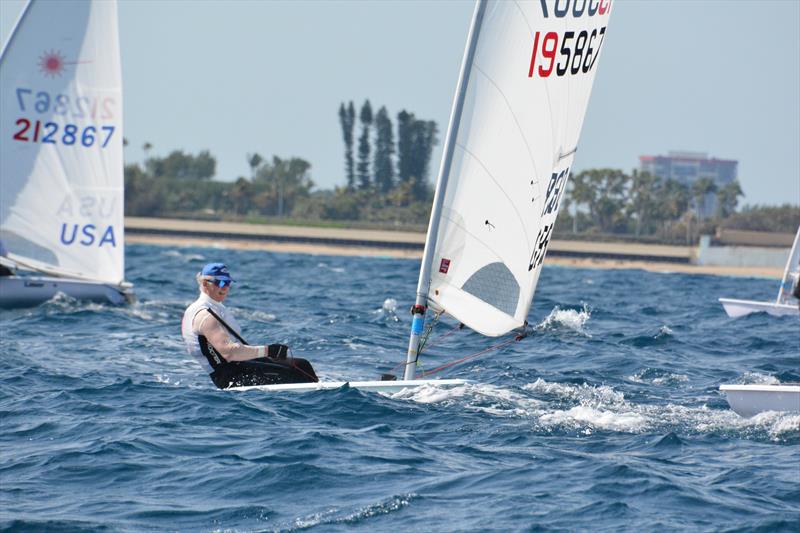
{"x": 607, "y": 418}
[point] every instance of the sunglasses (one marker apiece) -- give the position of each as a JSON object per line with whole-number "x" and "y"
{"x": 221, "y": 283}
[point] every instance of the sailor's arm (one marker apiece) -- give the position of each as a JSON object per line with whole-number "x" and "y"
{"x": 221, "y": 340}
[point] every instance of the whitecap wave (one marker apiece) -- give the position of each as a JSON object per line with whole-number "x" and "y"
{"x": 333, "y": 516}
{"x": 338, "y": 270}
{"x": 187, "y": 257}
{"x": 490, "y": 399}
{"x": 756, "y": 378}
{"x": 571, "y": 319}
{"x": 586, "y": 418}
{"x": 587, "y": 408}
{"x": 602, "y": 395}
{"x": 657, "y": 376}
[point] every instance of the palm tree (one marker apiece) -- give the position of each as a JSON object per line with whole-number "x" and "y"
{"x": 643, "y": 195}
{"x": 700, "y": 189}
{"x": 609, "y": 187}
{"x": 673, "y": 202}
{"x": 728, "y": 198}
{"x": 254, "y": 160}
{"x": 581, "y": 194}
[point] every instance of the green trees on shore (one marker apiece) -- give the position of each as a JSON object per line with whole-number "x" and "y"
{"x": 386, "y": 178}
{"x": 180, "y": 185}
{"x": 377, "y": 151}
{"x": 609, "y": 201}
{"x": 386, "y": 182}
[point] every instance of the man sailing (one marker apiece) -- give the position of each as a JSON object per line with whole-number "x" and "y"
{"x": 213, "y": 337}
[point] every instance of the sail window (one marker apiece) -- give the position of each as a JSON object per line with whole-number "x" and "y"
{"x": 495, "y": 285}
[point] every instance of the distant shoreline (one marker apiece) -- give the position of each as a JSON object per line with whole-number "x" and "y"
{"x": 353, "y": 251}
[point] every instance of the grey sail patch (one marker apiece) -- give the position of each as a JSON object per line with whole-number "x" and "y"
{"x": 495, "y": 285}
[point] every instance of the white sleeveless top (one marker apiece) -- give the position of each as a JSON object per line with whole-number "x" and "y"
{"x": 191, "y": 337}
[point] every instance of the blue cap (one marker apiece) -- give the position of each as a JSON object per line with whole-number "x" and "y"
{"x": 217, "y": 271}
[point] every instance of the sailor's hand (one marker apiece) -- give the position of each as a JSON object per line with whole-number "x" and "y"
{"x": 277, "y": 351}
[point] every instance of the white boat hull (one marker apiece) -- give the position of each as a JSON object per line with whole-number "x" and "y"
{"x": 372, "y": 386}
{"x": 28, "y": 291}
{"x": 749, "y": 400}
{"x": 737, "y": 308}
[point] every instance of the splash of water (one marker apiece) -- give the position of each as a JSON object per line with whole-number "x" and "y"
{"x": 570, "y": 319}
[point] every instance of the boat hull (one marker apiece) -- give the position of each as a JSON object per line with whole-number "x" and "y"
{"x": 29, "y": 291}
{"x": 737, "y": 308}
{"x": 372, "y": 386}
{"x": 749, "y": 400}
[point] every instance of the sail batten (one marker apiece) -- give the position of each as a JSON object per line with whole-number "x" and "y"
{"x": 525, "y": 84}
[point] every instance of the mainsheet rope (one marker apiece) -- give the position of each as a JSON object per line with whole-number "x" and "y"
{"x": 516, "y": 338}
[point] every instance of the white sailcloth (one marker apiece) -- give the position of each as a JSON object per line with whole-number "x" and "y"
{"x": 791, "y": 275}
{"x": 61, "y": 174}
{"x": 527, "y": 87}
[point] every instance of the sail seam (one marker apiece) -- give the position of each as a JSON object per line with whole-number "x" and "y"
{"x": 510, "y": 201}
{"x": 546, "y": 88}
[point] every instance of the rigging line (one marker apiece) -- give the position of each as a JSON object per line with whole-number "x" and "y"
{"x": 482, "y": 352}
{"x": 294, "y": 365}
{"x": 443, "y": 336}
{"x": 424, "y": 340}
{"x": 435, "y": 341}
{"x": 453, "y": 363}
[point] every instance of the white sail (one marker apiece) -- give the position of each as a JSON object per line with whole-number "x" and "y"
{"x": 791, "y": 275}
{"x": 61, "y": 174}
{"x": 527, "y": 80}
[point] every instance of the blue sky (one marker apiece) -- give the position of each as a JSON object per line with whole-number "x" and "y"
{"x": 236, "y": 77}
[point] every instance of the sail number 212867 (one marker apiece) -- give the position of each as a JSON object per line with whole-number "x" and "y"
{"x": 53, "y": 131}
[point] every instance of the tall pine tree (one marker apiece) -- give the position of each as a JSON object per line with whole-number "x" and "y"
{"x": 405, "y": 121}
{"x": 384, "y": 149}
{"x": 415, "y": 142}
{"x": 347, "y": 118}
{"x": 362, "y": 168}
{"x": 424, "y": 140}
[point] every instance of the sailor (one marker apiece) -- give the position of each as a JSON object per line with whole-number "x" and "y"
{"x": 4, "y": 270}
{"x": 796, "y": 289}
{"x": 213, "y": 337}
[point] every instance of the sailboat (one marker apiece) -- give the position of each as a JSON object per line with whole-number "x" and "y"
{"x": 61, "y": 172}
{"x": 750, "y": 399}
{"x": 786, "y": 303}
{"x": 754, "y": 398}
{"x": 523, "y": 89}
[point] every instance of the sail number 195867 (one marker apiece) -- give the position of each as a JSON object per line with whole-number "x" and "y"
{"x": 570, "y": 52}
{"x": 576, "y": 54}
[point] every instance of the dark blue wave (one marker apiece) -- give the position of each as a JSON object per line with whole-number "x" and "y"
{"x": 607, "y": 417}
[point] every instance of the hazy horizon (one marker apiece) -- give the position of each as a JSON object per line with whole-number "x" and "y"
{"x": 268, "y": 77}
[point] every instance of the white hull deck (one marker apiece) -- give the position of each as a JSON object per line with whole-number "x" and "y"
{"x": 749, "y": 400}
{"x": 371, "y": 386}
{"x": 737, "y": 308}
{"x": 29, "y": 291}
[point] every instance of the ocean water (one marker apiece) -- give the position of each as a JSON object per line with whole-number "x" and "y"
{"x": 608, "y": 417}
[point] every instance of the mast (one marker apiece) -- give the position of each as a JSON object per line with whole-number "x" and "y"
{"x": 420, "y": 304}
{"x": 791, "y": 264}
{"x": 14, "y": 29}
